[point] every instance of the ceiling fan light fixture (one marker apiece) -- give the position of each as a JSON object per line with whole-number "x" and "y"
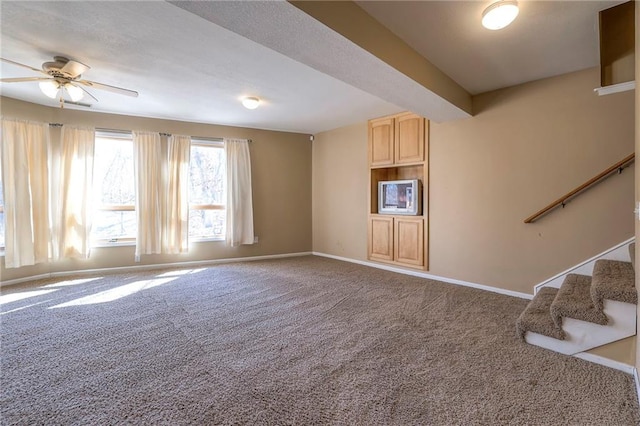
{"x": 251, "y": 102}
{"x": 74, "y": 92}
{"x": 49, "y": 88}
{"x": 500, "y": 14}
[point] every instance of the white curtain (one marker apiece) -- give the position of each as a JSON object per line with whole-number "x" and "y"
{"x": 239, "y": 196}
{"x": 73, "y": 209}
{"x": 147, "y": 163}
{"x": 26, "y": 192}
{"x": 176, "y": 224}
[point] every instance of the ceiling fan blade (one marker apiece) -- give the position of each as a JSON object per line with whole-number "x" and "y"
{"x": 23, "y": 66}
{"x": 73, "y": 68}
{"x": 113, "y": 89}
{"x": 21, "y": 79}
{"x": 85, "y": 91}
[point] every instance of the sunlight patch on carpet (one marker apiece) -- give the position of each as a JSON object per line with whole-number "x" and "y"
{"x": 181, "y": 272}
{"x": 14, "y": 297}
{"x": 115, "y": 293}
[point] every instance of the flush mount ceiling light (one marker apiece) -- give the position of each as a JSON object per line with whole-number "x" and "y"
{"x": 499, "y": 14}
{"x": 251, "y": 102}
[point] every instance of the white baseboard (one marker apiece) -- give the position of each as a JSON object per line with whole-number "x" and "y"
{"x": 134, "y": 268}
{"x": 253, "y": 258}
{"x": 429, "y": 276}
{"x": 586, "y": 356}
{"x": 617, "y": 365}
{"x": 25, "y": 279}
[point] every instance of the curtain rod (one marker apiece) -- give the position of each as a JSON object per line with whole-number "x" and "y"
{"x": 209, "y": 138}
{"x": 98, "y": 129}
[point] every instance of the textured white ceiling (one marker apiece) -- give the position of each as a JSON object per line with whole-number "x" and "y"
{"x": 184, "y": 67}
{"x": 192, "y": 68}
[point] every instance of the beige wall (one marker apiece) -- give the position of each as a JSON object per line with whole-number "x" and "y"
{"x": 340, "y": 192}
{"x": 526, "y": 146}
{"x": 281, "y": 172}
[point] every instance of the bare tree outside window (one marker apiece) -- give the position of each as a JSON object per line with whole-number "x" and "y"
{"x": 114, "y": 189}
{"x": 207, "y": 214}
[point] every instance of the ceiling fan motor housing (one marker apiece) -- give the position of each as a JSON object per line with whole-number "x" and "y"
{"x": 54, "y": 68}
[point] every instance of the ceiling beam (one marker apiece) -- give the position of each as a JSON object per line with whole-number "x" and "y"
{"x": 353, "y": 23}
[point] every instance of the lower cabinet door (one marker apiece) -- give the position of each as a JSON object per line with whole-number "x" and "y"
{"x": 381, "y": 238}
{"x": 409, "y": 241}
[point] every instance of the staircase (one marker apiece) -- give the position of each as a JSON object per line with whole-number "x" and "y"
{"x": 586, "y": 311}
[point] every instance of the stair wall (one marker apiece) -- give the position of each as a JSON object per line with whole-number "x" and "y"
{"x": 620, "y": 354}
{"x": 618, "y": 252}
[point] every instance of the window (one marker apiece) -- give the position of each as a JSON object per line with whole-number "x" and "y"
{"x": 207, "y": 196}
{"x": 114, "y": 217}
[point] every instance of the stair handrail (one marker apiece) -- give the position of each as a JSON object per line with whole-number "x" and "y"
{"x": 619, "y": 166}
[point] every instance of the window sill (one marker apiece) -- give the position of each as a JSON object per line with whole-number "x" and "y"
{"x": 205, "y": 240}
{"x": 102, "y": 244}
{"x": 128, "y": 243}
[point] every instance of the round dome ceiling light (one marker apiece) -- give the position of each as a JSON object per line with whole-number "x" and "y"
{"x": 251, "y": 102}
{"x": 500, "y": 14}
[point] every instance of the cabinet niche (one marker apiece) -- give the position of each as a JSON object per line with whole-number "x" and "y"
{"x": 398, "y": 150}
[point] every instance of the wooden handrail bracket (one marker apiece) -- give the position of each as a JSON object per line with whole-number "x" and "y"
{"x": 619, "y": 166}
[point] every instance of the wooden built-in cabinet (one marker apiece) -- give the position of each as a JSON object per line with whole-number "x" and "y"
{"x": 398, "y": 149}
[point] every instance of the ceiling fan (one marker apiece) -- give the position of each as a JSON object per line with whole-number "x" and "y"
{"x": 64, "y": 75}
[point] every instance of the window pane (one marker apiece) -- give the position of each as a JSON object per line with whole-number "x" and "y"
{"x": 207, "y": 186}
{"x": 207, "y": 223}
{"x": 207, "y": 175}
{"x": 113, "y": 172}
{"x": 111, "y": 225}
{"x": 114, "y": 184}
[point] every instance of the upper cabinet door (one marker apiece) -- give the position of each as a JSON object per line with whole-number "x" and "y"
{"x": 409, "y": 138}
{"x": 381, "y": 132}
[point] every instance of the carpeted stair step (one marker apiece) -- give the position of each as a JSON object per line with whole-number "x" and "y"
{"x": 632, "y": 255}
{"x": 614, "y": 280}
{"x": 537, "y": 316}
{"x": 574, "y": 301}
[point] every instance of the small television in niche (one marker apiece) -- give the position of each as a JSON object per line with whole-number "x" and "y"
{"x": 400, "y": 197}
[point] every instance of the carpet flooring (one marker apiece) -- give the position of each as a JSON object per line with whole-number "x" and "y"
{"x": 297, "y": 341}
